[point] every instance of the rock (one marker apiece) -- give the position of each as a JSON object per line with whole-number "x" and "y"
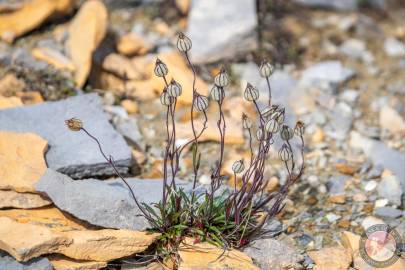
{"x": 273, "y": 254}
{"x": 183, "y": 5}
{"x": 37, "y": 240}
{"x": 85, "y": 32}
{"x": 392, "y": 121}
{"x": 10, "y": 84}
{"x": 370, "y": 221}
{"x": 353, "y": 48}
{"x": 331, "y": 258}
{"x": 350, "y": 241}
{"x": 133, "y": 44}
{"x": 331, "y": 72}
{"x": 128, "y": 127}
{"x": 60, "y": 262}
{"x": 30, "y": 97}
{"x": 370, "y": 185}
{"x": 380, "y": 154}
{"x": 390, "y": 188}
{"x": 336, "y": 187}
{"x": 30, "y": 16}
{"x": 388, "y": 212}
{"x": 341, "y": 5}
{"x": 221, "y": 31}
{"x": 22, "y": 160}
{"x": 350, "y": 96}
{"x": 70, "y": 152}
{"x": 120, "y": 66}
{"x": 9, "y": 102}
{"x": 394, "y": 47}
{"x": 345, "y": 168}
{"x": 104, "y": 203}
{"x": 91, "y": 245}
{"x": 205, "y": 256}
{"x": 130, "y": 106}
{"x": 12, "y": 199}
{"x": 8, "y": 263}
{"x": 375, "y": 172}
{"x": 53, "y": 57}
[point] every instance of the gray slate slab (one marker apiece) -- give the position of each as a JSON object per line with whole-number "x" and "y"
{"x": 221, "y": 29}
{"x": 104, "y": 203}
{"x": 72, "y": 153}
{"x": 330, "y": 4}
{"x": 9, "y": 263}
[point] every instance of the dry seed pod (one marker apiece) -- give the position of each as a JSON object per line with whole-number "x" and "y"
{"x": 286, "y": 133}
{"x": 284, "y": 153}
{"x": 246, "y": 122}
{"x": 251, "y": 93}
{"x": 174, "y": 89}
{"x": 201, "y": 102}
{"x": 166, "y": 99}
{"x": 266, "y": 111}
{"x": 221, "y": 80}
{"x": 238, "y": 166}
{"x": 183, "y": 43}
{"x": 217, "y": 93}
{"x": 160, "y": 68}
{"x": 299, "y": 129}
{"x": 261, "y": 136}
{"x": 74, "y": 124}
{"x": 266, "y": 69}
{"x": 271, "y": 126}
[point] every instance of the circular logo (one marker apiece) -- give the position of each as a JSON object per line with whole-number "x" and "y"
{"x": 380, "y": 246}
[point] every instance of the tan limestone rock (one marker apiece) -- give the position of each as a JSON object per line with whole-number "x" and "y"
{"x": 10, "y": 84}
{"x": 392, "y": 121}
{"x": 133, "y": 44}
{"x": 60, "y": 262}
{"x": 350, "y": 241}
{"x": 183, "y": 6}
{"x": 53, "y": 57}
{"x": 204, "y": 256}
{"x": 9, "y": 102}
{"x": 22, "y": 160}
{"x": 36, "y": 241}
{"x": 120, "y": 66}
{"x": 30, "y": 16}
{"x": 86, "y": 31}
{"x": 331, "y": 258}
{"x": 30, "y": 97}
{"x": 130, "y": 106}
{"x": 105, "y": 245}
{"x": 12, "y": 199}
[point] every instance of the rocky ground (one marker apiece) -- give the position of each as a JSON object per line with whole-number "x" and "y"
{"x": 340, "y": 68}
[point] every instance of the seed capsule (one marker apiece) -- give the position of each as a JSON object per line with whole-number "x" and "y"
{"x": 174, "y": 89}
{"x": 271, "y": 126}
{"x": 266, "y": 69}
{"x": 201, "y": 102}
{"x": 267, "y": 111}
{"x": 251, "y": 93}
{"x": 221, "y": 79}
{"x": 74, "y": 124}
{"x": 286, "y": 133}
{"x": 246, "y": 122}
{"x": 217, "y": 93}
{"x": 160, "y": 68}
{"x": 183, "y": 43}
{"x": 299, "y": 129}
{"x": 238, "y": 166}
{"x": 261, "y": 136}
{"x": 166, "y": 99}
{"x": 284, "y": 153}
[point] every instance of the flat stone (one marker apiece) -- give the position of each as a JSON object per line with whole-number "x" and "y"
{"x": 53, "y": 57}
{"x": 388, "y": 212}
{"x": 22, "y": 160}
{"x": 381, "y": 154}
{"x": 9, "y": 102}
{"x": 331, "y": 258}
{"x": 392, "y": 121}
{"x": 60, "y": 262}
{"x": 273, "y": 254}
{"x": 12, "y": 199}
{"x": 91, "y": 245}
{"x": 73, "y": 153}
{"x": 85, "y": 32}
{"x": 390, "y": 189}
{"x": 350, "y": 241}
{"x": 133, "y": 44}
{"x": 205, "y": 256}
{"x": 332, "y": 72}
{"x": 104, "y": 203}
{"x": 9, "y": 263}
{"x": 120, "y": 66}
{"x": 221, "y": 31}
{"x": 342, "y": 5}
{"x": 37, "y": 240}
